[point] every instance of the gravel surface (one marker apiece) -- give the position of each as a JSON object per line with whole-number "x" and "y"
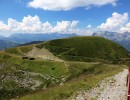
{"x": 42, "y": 53}
{"x": 112, "y": 88}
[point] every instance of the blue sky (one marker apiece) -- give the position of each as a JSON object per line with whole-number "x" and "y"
{"x": 63, "y": 16}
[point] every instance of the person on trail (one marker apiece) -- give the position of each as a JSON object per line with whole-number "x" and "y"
{"x": 128, "y": 75}
{"x": 128, "y": 83}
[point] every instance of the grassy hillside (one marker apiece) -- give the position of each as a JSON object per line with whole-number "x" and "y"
{"x": 86, "y": 49}
{"x": 19, "y": 76}
{"x": 83, "y": 76}
{"x": 4, "y": 44}
{"x": 19, "y": 50}
{"x": 46, "y": 79}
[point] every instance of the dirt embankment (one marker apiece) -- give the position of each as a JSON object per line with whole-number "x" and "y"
{"x": 43, "y": 54}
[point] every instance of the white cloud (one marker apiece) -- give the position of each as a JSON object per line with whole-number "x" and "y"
{"x": 89, "y": 26}
{"x": 125, "y": 28}
{"x": 3, "y": 27}
{"x": 89, "y": 7}
{"x": 31, "y": 24}
{"x": 74, "y": 24}
{"x": 46, "y": 27}
{"x": 65, "y": 26}
{"x": 115, "y": 22}
{"x": 61, "y": 26}
{"x": 57, "y": 5}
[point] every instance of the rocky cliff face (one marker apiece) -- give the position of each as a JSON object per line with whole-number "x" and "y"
{"x": 121, "y": 38}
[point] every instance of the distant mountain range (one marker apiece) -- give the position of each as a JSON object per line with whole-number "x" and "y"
{"x": 121, "y": 38}
{"x": 7, "y": 44}
{"x": 25, "y": 38}
{"x": 20, "y": 38}
{"x": 29, "y": 43}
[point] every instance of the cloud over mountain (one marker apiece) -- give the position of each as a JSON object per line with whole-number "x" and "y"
{"x": 33, "y": 24}
{"x": 126, "y": 28}
{"x": 115, "y": 22}
{"x": 57, "y": 5}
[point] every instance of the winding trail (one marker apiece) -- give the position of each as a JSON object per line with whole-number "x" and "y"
{"x": 112, "y": 88}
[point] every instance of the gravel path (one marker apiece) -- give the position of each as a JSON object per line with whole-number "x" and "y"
{"x": 112, "y": 88}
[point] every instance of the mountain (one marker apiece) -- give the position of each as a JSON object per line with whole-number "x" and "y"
{"x": 121, "y": 38}
{"x": 25, "y": 38}
{"x": 25, "y": 74}
{"x": 86, "y": 48}
{"x": 33, "y": 42}
{"x": 2, "y": 37}
{"x": 4, "y": 44}
{"x": 17, "y": 39}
